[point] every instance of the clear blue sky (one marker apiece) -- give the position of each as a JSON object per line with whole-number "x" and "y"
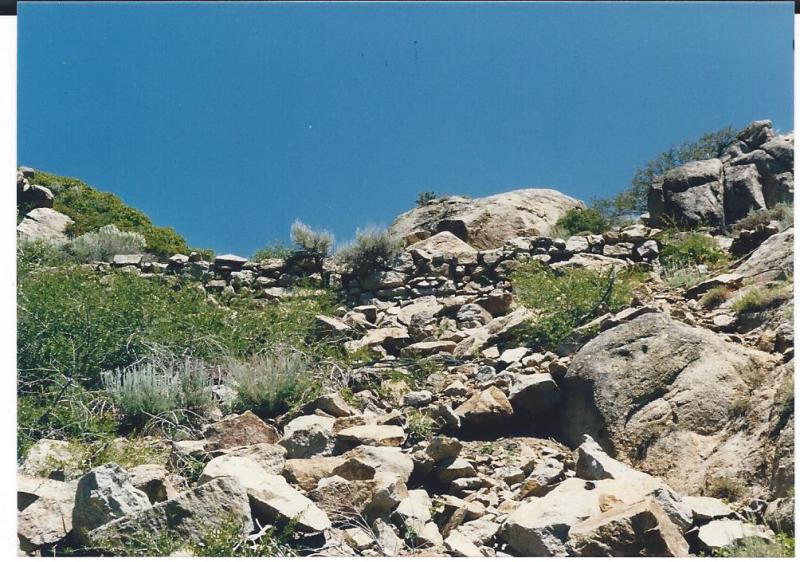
{"x": 228, "y": 121}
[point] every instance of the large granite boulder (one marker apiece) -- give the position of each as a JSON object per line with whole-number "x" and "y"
{"x": 691, "y": 195}
{"x": 45, "y": 224}
{"x": 659, "y": 393}
{"x": 486, "y": 222}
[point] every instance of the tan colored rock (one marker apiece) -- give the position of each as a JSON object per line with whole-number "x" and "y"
{"x": 307, "y": 473}
{"x": 487, "y": 407}
{"x": 487, "y": 222}
{"x": 389, "y": 338}
{"x": 239, "y": 431}
{"x": 428, "y": 348}
{"x": 641, "y": 529}
{"x": 446, "y": 244}
{"x": 373, "y": 435}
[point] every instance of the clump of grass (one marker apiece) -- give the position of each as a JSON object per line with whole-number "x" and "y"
{"x": 372, "y": 250}
{"x": 105, "y": 243}
{"x": 781, "y": 546}
{"x": 314, "y": 242}
{"x": 419, "y": 426}
{"x": 176, "y": 389}
{"x": 715, "y": 297}
{"x": 783, "y": 213}
{"x": 726, "y": 488}
{"x": 273, "y": 382}
{"x": 739, "y": 407}
{"x": 230, "y": 540}
{"x": 564, "y": 300}
{"x": 784, "y": 396}
{"x": 759, "y": 298}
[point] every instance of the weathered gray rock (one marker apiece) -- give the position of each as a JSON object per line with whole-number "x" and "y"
{"x": 726, "y": 532}
{"x": 772, "y": 260}
{"x": 743, "y": 192}
{"x": 658, "y": 390}
{"x": 533, "y": 394}
{"x": 392, "y": 339}
{"x": 487, "y": 222}
{"x": 691, "y": 194}
{"x": 191, "y": 514}
{"x": 104, "y": 494}
{"x": 51, "y": 455}
{"x": 45, "y": 224}
{"x": 308, "y": 436}
{"x": 45, "y": 508}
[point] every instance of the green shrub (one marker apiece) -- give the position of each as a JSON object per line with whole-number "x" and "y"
{"x": 373, "y": 249}
{"x": 760, "y": 298}
{"x": 690, "y": 248}
{"x": 38, "y": 253}
{"x": 419, "y": 426}
{"x": 783, "y": 213}
{"x": 273, "y": 251}
{"x": 715, "y": 297}
{"x": 781, "y": 546}
{"x": 272, "y": 383}
{"x": 314, "y": 242}
{"x": 583, "y": 221}
{"x": 177, "y": 390}
{"x": 425, "y": 197}
{"x": 105, "y": 243}
{"x": 739, "y": 407}
{"x": 564, "y": 300}
{"x": 726, "y": 488}
{"x": 92, "y": 209}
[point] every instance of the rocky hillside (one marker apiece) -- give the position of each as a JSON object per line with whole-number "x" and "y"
{"x": 484, "y": 390}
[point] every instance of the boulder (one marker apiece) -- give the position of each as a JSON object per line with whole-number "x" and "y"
{"x": 373, "y": 435}
{"x": 533, "y": 394}
{"x": 308, "y": 436}
{"x": 392, "y": 339}
{"x": 640, "y": 529}
{"x": 104, "y": 494}
{"x": 33, "y": 196}
{"x": 240, "y": 430}
{"x": 153, "y": 480}
{"x": 722, "y": 533}
{"x": 271, "y": 497}
{"x": 45, "y": 224}
{"x": 659, "y": 392}
{"x": 229, "y": 261}
{"x": 445, "y": 244}
{"x": 691, "y": 195}
{"x": 486, "y": 222}
{"x": 743, "y": 192}
{"x": 774, "y": 259}
{"x": 485, "y": 409}
{"x": 428, "y": 348}
{"x": 191, "y": 514}
{"x": 540, "y": 526}
{"x": 48, "y": 456}
{"x": 45, "y": 511}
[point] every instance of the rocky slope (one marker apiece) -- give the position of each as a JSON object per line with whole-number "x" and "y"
{"x": 612, "y": 445}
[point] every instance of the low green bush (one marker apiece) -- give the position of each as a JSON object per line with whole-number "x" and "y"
{"x": 583, "y": 221}
{"x": 690, "y": 248}
{"x": 419, "y": 426}
{"x": 780, "y": 546}
{"x": 715, "y": 297}
{"x": 229, "y": 540}
{"x": 761, "y": 298}
{"x": 372, "y": 249}
{"x": 277, "y": 250}
{"x": 564, "y": 300}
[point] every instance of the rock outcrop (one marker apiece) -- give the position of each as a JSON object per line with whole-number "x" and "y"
{"x": 486, "y": 222}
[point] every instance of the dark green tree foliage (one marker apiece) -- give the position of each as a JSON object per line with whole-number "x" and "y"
{"x": 584, "y": 221}
{"x": 634, "y": 198}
